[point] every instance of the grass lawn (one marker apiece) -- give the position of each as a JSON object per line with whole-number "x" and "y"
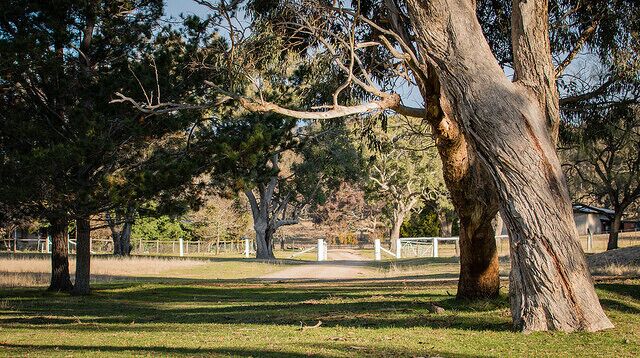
{"x": 196, "y": 317}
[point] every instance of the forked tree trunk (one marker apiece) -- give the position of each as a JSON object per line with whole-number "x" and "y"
{"x": 264, "y": 238}
{"x": 507, "y": 124}
{"x": 60, "y": 278}
{"x": 83, "y": 257}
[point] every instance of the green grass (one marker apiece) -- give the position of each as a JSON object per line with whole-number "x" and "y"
{"x": 222, "y": 317}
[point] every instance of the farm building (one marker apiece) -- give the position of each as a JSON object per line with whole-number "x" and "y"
{"x": 590, "y": 219}
{"x": 594, "y": 220}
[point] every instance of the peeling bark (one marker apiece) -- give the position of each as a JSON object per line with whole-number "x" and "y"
{"x": 507, "y": 125}
{"x": 475, "y": 199}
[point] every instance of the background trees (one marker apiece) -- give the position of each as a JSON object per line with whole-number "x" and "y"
{"x": 281, "y": 169}
{"x": 62, "y": 63}
{"x": 602, "y": 156}
{"x": 405, "y": 172}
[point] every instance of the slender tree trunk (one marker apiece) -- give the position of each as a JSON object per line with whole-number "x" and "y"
{"x": 83, "y": 257}
{"x": 615, "y": 230}
{"x": 115, "y": 233}
{"x": 125, "y": 239}
{"x": 395, "y": 227}
{"x": 445, "y": 224}
{"x": 60, "y": 278}
{"x": 476, "y": 201}
{"x": 507, "y": 124}
{"x": 117, "y": 247}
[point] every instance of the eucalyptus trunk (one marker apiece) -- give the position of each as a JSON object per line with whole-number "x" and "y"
{"x": 398, "y": 219}
{"x": 476, "y": 201}
{"x": 508, "y": 126}
{"x": 125, "y": 239}
{"x": 60, "y": 278}
{"x": 446, "y": 224}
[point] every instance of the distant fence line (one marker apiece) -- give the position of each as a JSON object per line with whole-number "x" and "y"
{"x": 162, "y": 247}
{"x": 139, "y": 247}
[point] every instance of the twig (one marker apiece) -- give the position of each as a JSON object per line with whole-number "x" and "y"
{"x": 303, "y": 327}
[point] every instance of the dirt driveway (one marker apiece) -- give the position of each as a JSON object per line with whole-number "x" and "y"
{"x": 343, "y": 265}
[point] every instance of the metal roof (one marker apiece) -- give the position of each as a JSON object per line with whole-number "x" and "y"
{"x": 592, "y": 209}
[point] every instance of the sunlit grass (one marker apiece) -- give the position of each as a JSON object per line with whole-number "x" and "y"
{"x": 241, "y": 319}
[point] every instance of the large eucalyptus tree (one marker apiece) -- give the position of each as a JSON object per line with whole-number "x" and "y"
{"x": 496, "y": 133}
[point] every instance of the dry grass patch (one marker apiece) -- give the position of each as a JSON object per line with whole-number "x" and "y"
{"x": 22, "y": 271}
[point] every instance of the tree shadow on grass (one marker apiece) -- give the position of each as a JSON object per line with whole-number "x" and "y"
{"x": 630, "y": 290}
{"x": 335, "y": 306}
{"x": 310, "y": 350}
{"x": 616, "y": 305}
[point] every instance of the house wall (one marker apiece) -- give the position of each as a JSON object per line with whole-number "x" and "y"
{"x": 587, "y": 222}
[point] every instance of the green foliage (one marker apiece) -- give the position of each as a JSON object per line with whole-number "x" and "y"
{"x": 422, "y": 223}
{"x": 62, "y": 63}
{"x": 405, "y": 170}
{"x": 162, "y": 228}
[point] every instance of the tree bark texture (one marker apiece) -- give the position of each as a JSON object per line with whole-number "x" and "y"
{"x": 60, "y": 278}
{"x": 474, "y": 197}
{"x": 83, "y": 257}
{"x": 506, "y": 124}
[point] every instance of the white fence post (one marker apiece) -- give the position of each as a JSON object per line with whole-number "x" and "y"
{"x": 590, "y": 242}
{"x": 181, "y": 247}
{"x": 320, "y": 250}
{"x": 247, "y": 247}
{"x": 435, "y": 247}
{"x": 376, "y": 249}
{"x": 398, "y": 249}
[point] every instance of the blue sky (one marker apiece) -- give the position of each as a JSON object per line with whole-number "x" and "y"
{"x": 176, "y": 7}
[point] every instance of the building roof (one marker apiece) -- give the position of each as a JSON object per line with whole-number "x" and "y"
{"x": 581, "y": 208}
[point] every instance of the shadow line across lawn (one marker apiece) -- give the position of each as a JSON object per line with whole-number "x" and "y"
{"x": 350, "y": 305}
{"x": 179, "y": 351}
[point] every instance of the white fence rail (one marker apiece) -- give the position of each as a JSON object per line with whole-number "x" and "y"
{"x": 424, "y": 246}
{"x": 148, "y": 247}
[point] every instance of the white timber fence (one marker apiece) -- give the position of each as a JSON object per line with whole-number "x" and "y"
{"x": 425, "y": 246}
{"x": 321, "y": 249}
